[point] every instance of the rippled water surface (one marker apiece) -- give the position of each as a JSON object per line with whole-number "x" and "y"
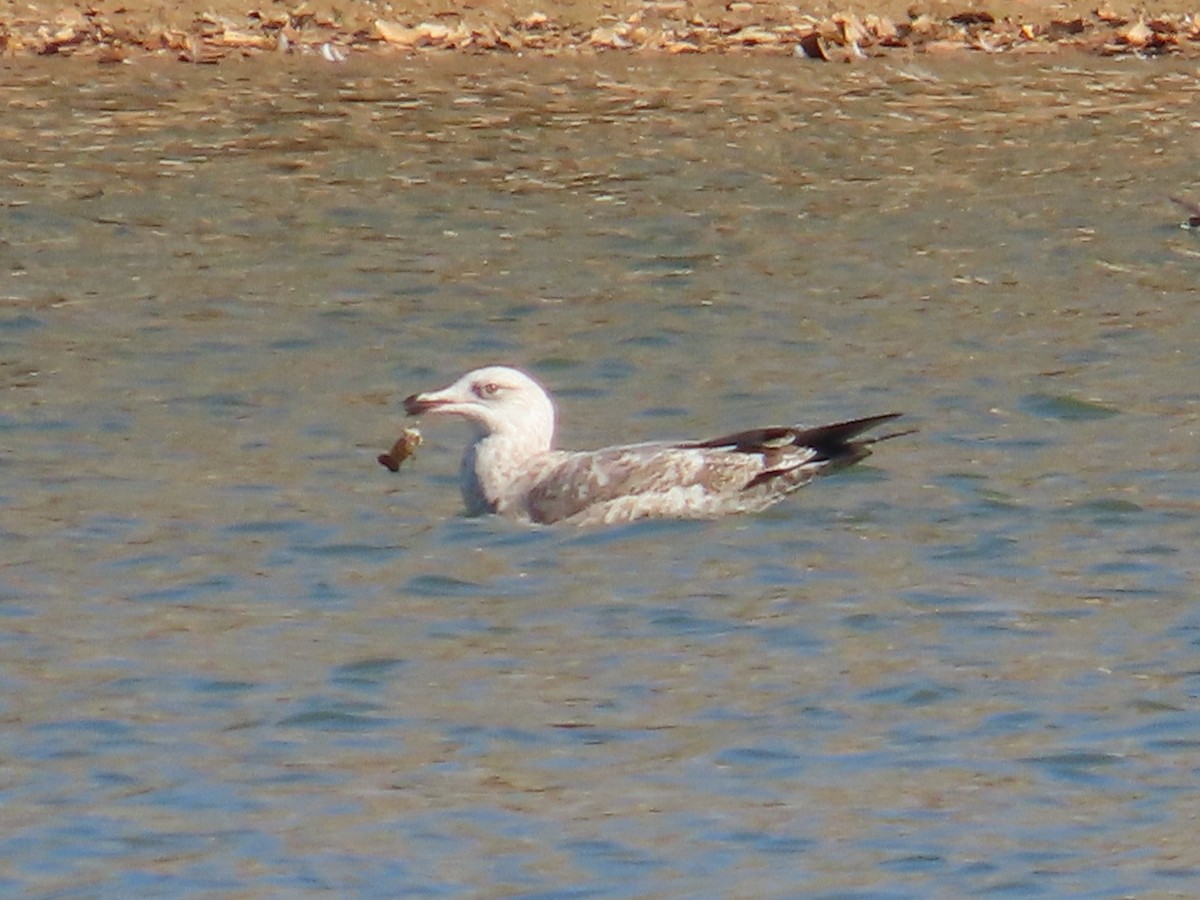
{"x": 240, "y": 658}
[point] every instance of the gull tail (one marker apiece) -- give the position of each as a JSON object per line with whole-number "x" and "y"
{"x": 829, "y": 441}
{"x": 839, "y": 445}
{"x": 831, "y": 447}
{"x": 832, "y": 441}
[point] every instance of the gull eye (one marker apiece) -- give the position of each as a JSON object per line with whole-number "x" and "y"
{"x": 490, "y": 389}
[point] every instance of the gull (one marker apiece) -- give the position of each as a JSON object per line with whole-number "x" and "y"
{"x": 511, "y": 467}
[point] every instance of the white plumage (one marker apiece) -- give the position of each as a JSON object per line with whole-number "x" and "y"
{"x": 511, "y": 467}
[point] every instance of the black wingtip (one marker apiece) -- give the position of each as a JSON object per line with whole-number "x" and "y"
{"x": 837, "y": 443}
{"x": 837, "y": 434}
{"x": 842, "y": 432}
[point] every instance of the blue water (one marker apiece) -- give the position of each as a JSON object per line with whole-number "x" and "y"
{"x": 240, "y": 658}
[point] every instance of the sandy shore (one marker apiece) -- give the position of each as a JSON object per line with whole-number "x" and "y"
{"x": 212, "y": 30}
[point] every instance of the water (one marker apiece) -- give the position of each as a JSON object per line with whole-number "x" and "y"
{"x": 240, "y": 658}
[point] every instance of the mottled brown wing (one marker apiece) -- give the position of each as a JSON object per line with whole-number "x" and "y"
{"x": 588, "y": 479}
{"x": 775, "y": 461}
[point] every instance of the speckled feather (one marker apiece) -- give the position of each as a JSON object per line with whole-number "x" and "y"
{"x": 511, "y": 468}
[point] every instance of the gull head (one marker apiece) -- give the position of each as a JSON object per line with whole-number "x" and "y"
{"x": 495, "y": 401}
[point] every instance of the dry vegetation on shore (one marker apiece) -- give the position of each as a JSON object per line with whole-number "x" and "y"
{"x": 111, "y": 31}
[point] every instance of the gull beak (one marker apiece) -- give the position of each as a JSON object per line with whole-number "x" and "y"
{"x": 420, "y": 403}
{"x": 430, "y": 401}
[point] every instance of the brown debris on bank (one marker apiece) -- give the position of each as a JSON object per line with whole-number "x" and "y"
{"x": 113, "y": 32}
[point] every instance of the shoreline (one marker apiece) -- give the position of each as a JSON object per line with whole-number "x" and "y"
{"x": 110, "y": 32}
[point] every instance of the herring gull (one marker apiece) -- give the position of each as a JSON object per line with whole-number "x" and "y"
{"x": 512, "y": 469}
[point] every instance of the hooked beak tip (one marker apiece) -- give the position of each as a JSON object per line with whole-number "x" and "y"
{"x": 414, "y": 405}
